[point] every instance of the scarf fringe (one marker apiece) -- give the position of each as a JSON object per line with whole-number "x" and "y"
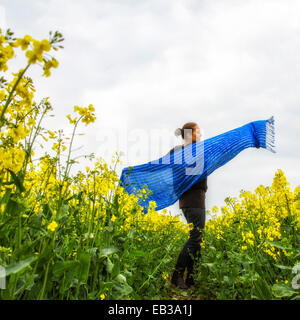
{"x": 270, "y": 135}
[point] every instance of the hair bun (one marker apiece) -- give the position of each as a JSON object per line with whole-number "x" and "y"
{"x": 178, "y": 132}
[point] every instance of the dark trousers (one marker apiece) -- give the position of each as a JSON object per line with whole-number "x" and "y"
{"x": 191, "y": 249}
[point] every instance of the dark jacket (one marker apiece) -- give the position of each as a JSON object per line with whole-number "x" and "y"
{"x": 195, "y": 196}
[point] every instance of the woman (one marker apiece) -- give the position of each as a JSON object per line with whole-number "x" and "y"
{"x": 192, "y": 203}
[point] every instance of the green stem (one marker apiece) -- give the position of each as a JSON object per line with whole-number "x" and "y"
{"x": 28, "y": 151}
{"x": 41, "y": 296}
{"x": 70, "y": 148}
{"x": 67, "y": 166}
{"x": 156, "y": 268}
{"x": 44, "y": 283}
{"x": 19, "y": 229}
{"x": 11, "y": 93}
{"x": 62, "y": 287}
{"x": 77, "y": 291}
{"x": 95, "y": 276}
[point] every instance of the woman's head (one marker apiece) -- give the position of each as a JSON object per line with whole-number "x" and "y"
{"x": 190, "y": 132}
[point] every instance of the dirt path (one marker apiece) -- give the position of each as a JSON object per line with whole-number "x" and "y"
{"x": 178, "y": 294}
{"x": 175, "y": 293}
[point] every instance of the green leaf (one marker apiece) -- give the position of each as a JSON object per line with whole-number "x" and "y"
{"x": 17, "y": 181}
{"x": 208, "y": 264}
{"x": 6, "y": 196}
{"x": 105, "y": 252}
{"x": 106, "y": 285}
{"x": 63, "y": 211}
{"x": 121, "y": 239}
{"x": 130, "y": 234}
{"x": 124, "y": 289}
{"x": 139, "y": 253}
{"x": 35, "y": 222}
{"x": 109, "y": 265}
{"x": 277, "y": 245}
{"x": 283, "y": 267}
{"x": 128, "y": 273}
{"x": 262, "y": 289}
{"x": 60, "y": 267}
{"x": 121, "y": 278}
{"x": 116, "y": 269}
{"x": 110, "y": 228}
{"x": 47, "y": 211}
{"x": 92, "y": 251}
{"x": 84, "y": 259}
{"x": 12, "y": 206}
{"x": 19, "y": 266}
{"x": 281, "y": 290}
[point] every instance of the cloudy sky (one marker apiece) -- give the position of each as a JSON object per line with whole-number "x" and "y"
{"x": 151, "y": 65}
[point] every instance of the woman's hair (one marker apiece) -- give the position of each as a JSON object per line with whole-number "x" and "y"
{"x": 188, "y": 125}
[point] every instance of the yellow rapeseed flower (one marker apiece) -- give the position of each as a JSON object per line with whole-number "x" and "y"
{"x": 24, "y": 43}
{"x": 165, "y": 276}
{"x": 33, "y": 56}
{"x": 52, "y": 226}
{"x": 72, "y": 121}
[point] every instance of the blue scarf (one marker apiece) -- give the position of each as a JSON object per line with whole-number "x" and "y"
{"x": 170, "y": 176}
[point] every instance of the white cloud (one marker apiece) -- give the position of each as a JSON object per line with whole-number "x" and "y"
{"x": 158, "y": 64}
{"x": 2, "y": 18}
